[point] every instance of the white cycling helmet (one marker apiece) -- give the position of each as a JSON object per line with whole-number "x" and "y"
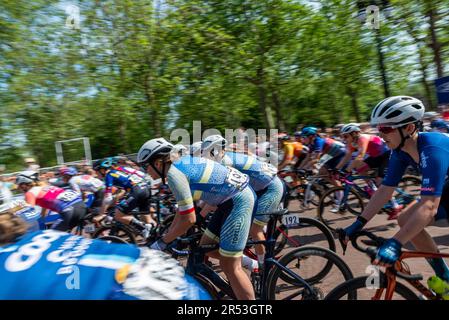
{"x": 212, "y": 144}
{"x": 397, "y": 111}
{"x": 152, "y": 149}
{"x": 27, "y": 177}
{"x": 195, "y": 148}
{"x": 213, "y": 141}
{"x": 350, "y": 127}
{"x": 181, "y": 149}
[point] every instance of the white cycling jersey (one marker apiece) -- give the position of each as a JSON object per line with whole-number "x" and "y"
{"x": 86, "y": 183}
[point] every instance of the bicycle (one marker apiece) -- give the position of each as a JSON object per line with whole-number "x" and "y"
{"x": 350, "y": 198}
{"x": 388, "y": 287}
{"x": 307, "y": 190}
{"x": 131, "y": 234}
{"x": 265, "y": 282}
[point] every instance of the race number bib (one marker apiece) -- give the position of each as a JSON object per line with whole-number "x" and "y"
{"x": 68, "y": 196}
{"x": 236, "y": 178}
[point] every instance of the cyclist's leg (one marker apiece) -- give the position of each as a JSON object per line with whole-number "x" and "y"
{"x": 267, "y": 202}
{"x": 70, "y": 217}
{"x": 423, "y": 241}
{"x": 126, "y": 205}
{"x": 233, "y": 237}
{"x": 144, "y": 205}
{"x": 212, "y": 233}
{"x": 330, "y": 165}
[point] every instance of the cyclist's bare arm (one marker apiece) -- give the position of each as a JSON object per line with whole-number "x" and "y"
{"x": 305, "y": 161}
{"x": 44, "y": 212}
{"x": 107, "y": 200}
{"x": 423, "y": 213}
{"x": 286, "y": 161}
{"x": 181, "y": 223}
{"x": 379, "y": 199}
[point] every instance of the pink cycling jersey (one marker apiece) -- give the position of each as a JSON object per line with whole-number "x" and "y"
{"x": 376, "y": 146}
{"x": 52, "y": 198}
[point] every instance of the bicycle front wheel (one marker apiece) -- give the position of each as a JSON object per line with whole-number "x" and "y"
{"x": 320, "y": 268}
{"x": 334, "y": 211}
{"x": 308, "y": 231}
{"x": 365, "y": 288}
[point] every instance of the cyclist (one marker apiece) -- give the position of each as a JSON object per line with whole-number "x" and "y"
{"x": 55, "y": 265}
{"x": 224, "y": 189}
{"x": 91, "y": 189}
{"x": 67, "y": 203}
{"x": 398, "y": 120}
{"x": 137, "y": 195}
{"x": 324, "y": 152}
{"x": 195, "y": 149}
{"x": 292, "y": 150}
{"x": 59, "y": 181}
{"x": 439, "y": 125}
{"x": 377, "y": 154}
{"x": 116, "y": 165}
{"x": 262, "y": 179}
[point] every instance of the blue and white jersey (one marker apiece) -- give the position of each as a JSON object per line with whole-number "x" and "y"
{"x": 194, "y": 178}
{"x": 261, "y": 174}
{"x": 433, "y": 149}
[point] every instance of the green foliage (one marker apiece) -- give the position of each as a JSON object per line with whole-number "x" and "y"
{"x": 137, "y": 69}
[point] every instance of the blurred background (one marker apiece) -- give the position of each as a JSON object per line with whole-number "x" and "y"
{"x": 122, "y": 72}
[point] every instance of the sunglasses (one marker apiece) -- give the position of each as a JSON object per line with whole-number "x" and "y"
{"x": 386, "y": 130}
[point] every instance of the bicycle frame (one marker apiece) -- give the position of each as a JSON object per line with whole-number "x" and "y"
{"x": 196, "y": 265}
{"x": 391, "y": 274}
{"x": 349, "y": 183}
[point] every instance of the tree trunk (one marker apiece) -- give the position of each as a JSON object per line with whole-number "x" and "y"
{"x": 382, "y": 64}
{"x": 277, "y": 109}
{"x": 434, "y": 44}
{"x": 263, "y": 107}
{"x": 354, "y": 104}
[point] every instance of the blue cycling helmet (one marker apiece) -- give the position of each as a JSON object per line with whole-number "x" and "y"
{"x": 439, "y": 124}
{"x": 102, "y": 164}
{"x": 309, "y": 131}
{"x": 70, "y": 171}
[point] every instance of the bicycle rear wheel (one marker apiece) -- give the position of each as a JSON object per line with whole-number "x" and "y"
{"x": 116, "y": 231}
{"x": 113, "y": 239}
{"x": 359, "y": 289}
{"x": 335, "y": 215}
{"x": 320, "y": 268}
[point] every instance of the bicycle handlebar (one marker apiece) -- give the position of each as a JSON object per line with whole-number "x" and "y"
{"x": 372, "y": 251}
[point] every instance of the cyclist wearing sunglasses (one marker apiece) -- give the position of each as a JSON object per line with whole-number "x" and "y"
{"x": 372, "y": 152}
{"x": 398, "y": 119}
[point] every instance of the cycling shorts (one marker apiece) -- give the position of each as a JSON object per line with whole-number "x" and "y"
{"x": 380, "y": 163}
{"x": 268, "y": 200}
{"x": 70, "y": 217}
{"x": 137, "y": 197}
{"x": 230, "y": 223}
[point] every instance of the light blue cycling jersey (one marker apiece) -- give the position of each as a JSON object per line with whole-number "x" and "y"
{"x": 261, "y": 174}
{"x": 196, "y": 178}
{"x": 55, "y": 265}
{"x": 433, "y": 148}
